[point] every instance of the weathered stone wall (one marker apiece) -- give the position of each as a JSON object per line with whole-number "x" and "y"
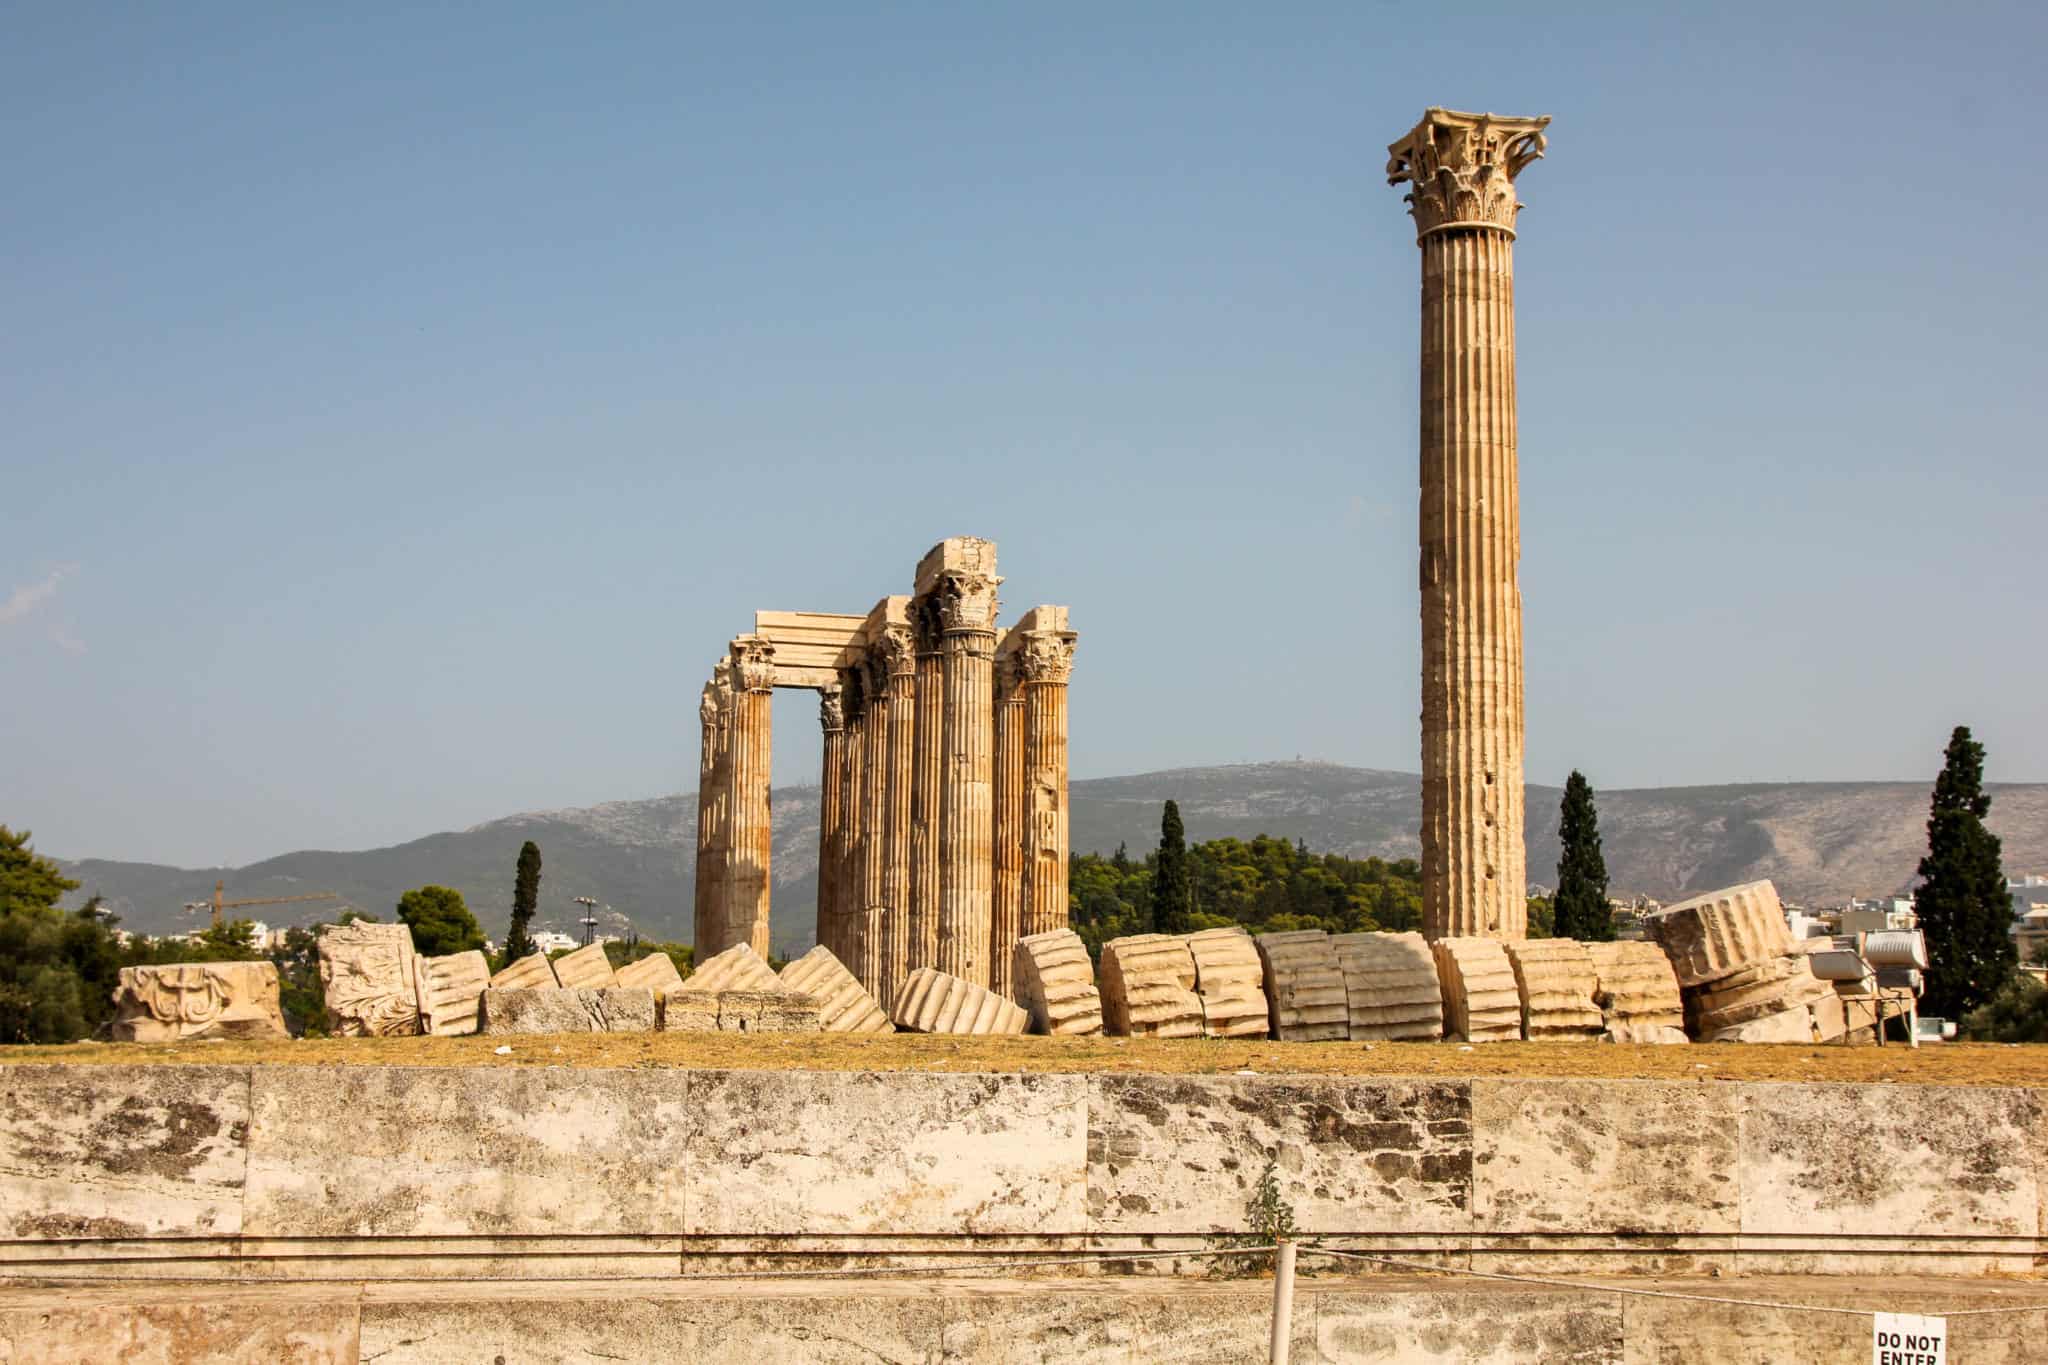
{"x": 316, "y": 1172}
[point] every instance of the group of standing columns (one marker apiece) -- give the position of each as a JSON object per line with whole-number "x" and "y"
{"x": 943, "y": 814}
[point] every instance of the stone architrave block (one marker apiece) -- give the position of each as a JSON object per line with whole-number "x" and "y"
{"x": 842, "y": 1005}
{"x": 1721, "y": 932}
{"x": 1390, "y": 988}
{"x": 1636, "y": 989}
{"x": 738, "y": 968}
{"x": 1148, "y": 988}
{"x": 1555, "y": 981}
{"x": 372, "y": 980}
{"x": 776, "y": 1011}
{"x": 450, "y": 990}
{"x": 1481, "y": 1004}
{"x": 1230, "y": 982}
{"x": 657, "y": 972}
{"x": 932, "y": 1002}
{"x": 197, "y": 1000}
{"x": 530, "y": 973}
{"x": 585, "y": 969}
{"x": 602, "y": 1009}
{"x": 1056, "y": 983}
{"x": 1304, "y": 986}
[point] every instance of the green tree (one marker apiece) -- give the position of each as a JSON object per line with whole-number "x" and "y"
{"x": 42, "y": 996}
{"x": 1964, "y": 909}
{"x": 1543, "y": 917}
{"x": 440, "y": 921}
{"x": 2018, "y": 1013}
{"x": 525, "y": 901}
{"x": 28, "y": 881}
{"x": 1172, "y": 901}
{"x": 1581, "y": 901}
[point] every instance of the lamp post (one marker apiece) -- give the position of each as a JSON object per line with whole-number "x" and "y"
{"x": 589, "y": 904}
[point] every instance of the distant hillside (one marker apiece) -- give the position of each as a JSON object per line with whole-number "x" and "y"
{"x": 1821, "y": 842}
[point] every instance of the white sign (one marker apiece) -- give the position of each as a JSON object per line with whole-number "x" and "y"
{"x": 1906, "y": 1339}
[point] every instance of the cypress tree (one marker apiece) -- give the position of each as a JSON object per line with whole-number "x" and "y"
{"x": 525, "y": 900}
{"x": 1581, "y": 910}
{"x": 1170, "y": 894}
{"x": 1964, "y": 909}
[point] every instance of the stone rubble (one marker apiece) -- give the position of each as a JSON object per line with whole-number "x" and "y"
{"x": 1229, "y": 983}
{"x": 1555, "y": 981}
{"x": 738, "y": 968}
{"x": 1148, "y": 983}
{"x": 1055, "y": 984}
{"x": 841, "y": 1004}
{"x": 776, "y": 1011}
{"x": 1637, "y": 993}
{"x": 1481, "y": 1003}
{"x": 371, "y": 976}
{"x": 933, "y": 1002}
{"x": 450, "y": 989}
{"x": 1722, "y": 932}
{"x": 605, "y": 1009}
{"x": 1391, "y": 992}
{"x": 1744, "y": 979}
{"x": 1304, "y": 987}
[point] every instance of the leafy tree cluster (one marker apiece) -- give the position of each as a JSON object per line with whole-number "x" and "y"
{"x": 2018, "y": 1013}
{"x": 440, "y": 921}
{"x": 1266, "y": 885}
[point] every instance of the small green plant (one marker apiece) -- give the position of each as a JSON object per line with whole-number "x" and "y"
{"x": 1267, "y": 1214}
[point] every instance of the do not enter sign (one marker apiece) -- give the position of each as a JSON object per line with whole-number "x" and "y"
{"x": 1906, "y": 1339}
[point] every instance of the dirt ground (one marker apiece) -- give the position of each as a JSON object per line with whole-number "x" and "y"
{"x": 1945, "y": 1064}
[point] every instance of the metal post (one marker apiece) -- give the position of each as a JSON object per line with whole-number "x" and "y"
{"x": 1283, "y": 1302}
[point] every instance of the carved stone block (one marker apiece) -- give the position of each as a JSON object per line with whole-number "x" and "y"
{"x": 1766, "y": 988}
{"x": 1148, "y": 985}
{"x": 1635, "y": 988}
{"x": 585, "y": 969}
{"x": 1555, "y": 980}
{"x": 842, "y": 1006}
{"x": 1481, "y": 1004}
{"x": 776, "y": 1011}
{"x": 1230, "y": 982}
{"x": 197, "y": 1000}
{"x": 657, "y": 972}
{"x": 450, "y": 988}
{"x": 933, "y": 1002}
{"x": 738, "y": 968}
{"x": 1056, "y": 983}
{"x": 1390, "y": 987}
{"x": 1721, "y": 932}
{"x": 1304, "y": 986}
{"x": 371, "y": 975}
{"x": 605, "y": 1009}
{"x": 530, "y": 973}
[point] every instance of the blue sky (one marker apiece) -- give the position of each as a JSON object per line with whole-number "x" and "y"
{"x": 402, "y": 407}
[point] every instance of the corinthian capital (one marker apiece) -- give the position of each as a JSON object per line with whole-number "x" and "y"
{"x": 896, "y": 646}
{"x": 1463, "y": 168}
{"x": 966, "y": 602}
{"x": 831, "y": 708}
{"x": 753, "y": 663}
{"x": 1047, "y": 656}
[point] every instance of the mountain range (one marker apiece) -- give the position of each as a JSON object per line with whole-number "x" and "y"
{"x": 1821, "y": 842}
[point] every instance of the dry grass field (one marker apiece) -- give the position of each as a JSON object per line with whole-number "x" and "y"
{"x": 1947, "y": 1064}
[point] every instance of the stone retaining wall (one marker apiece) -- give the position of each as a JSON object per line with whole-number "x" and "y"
{"x": 341, "y": 1172}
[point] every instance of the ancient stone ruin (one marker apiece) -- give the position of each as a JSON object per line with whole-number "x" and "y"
{"x": 1461, "y": 170}
{"x": 944, "y": 822}
{"x": 197, "y": 1000}
{"x": 1637, "y": 993}
{"x": 1741, "y": 978}
{"x": 1481, "y": 1002}
{"x": 1304, "y": 986}
{"x": 1390, "y": 987}
{"x": 1555, "y": 981}
{"x": 1148, "y": 987}
{"x": 843, "y": 1007}
{"x": 1229, "y": 983}
{"x": 933, "y": 1002}
{"x": 1055, "y": 983}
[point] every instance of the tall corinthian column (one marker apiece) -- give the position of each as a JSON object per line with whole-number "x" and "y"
{"x": 1462, "y": 168}
{"x": 925, "y": 781}
{"x": 1006, "y": 922}
{"x": 746, "y": 891}
{"x": 959, "y": 574}
{"x": 846, "y": 889}
{"x": 831, "y": 806}
{"x": 1045, "y": 659}
{"x": 873, "y": 858}
{"x": 714, "y": 804}
{"x": 896, "y": 647}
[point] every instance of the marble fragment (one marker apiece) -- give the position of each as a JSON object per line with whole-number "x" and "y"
{"x": 163, "y": 1004}
{"x": 1304, "y": 987}
{"x": 1148, "y": 985}
{"x": 1391, "y": 992}
{"x": 450, "y": 990}
{"x": 1481, "y": 1004}
{"x": 371, "y": 976}
{"x": 1056, "y": 983}
{"x": 933, "y": 1002}
{"x": 842, "y": 1006}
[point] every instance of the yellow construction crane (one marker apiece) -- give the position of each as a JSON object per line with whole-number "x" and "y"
{"x": 217, "y": 904}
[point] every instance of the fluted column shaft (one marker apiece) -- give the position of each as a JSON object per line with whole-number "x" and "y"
{"x": 872, "y": 860}
{"x": 1046, "y": 823}
{"x": 966, "y": 796}
{"x": 831, "y": 807}
{"x": 1006, "y": 919}
{"x": 1472, "y": 733}
{"x": 896, "y": 853}
{"x": 714, "y": 806}
{"x": 747, "y": 891}
{"x": 846, "y": 899}
{"x": 926, "y": 779}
